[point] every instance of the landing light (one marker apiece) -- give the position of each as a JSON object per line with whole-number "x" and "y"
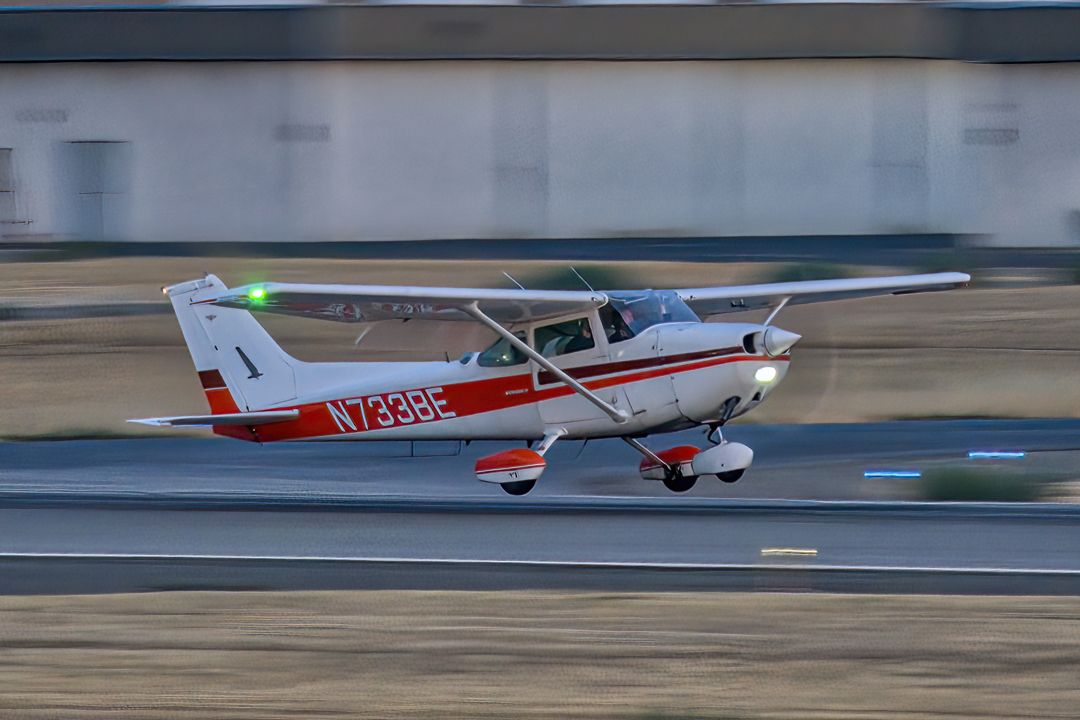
{"x": 765, "y": 374}
{"x": 257, "y": 293}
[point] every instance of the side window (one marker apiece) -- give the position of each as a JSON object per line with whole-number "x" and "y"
{"x": 502, "y": 353}
{"x": 565, "y": 337}
{"x": 615, "y": 328}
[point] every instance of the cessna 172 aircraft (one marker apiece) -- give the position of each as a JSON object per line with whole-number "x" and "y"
{"x": 566, "y": 364}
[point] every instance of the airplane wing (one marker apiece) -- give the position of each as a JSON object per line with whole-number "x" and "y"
{"x": 369, "y": 303}
{"x": 736, "y": 298}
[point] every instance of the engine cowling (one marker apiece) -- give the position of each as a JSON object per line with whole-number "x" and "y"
{"x": 680, "y": 456}
{"x": 511, "y": 466}
{"x": 723, "y": 458}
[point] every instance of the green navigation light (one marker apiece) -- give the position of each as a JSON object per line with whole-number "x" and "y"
{"x": 257, "y": 294}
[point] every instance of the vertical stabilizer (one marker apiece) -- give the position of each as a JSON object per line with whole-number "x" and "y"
{"x": 240, "y": 366}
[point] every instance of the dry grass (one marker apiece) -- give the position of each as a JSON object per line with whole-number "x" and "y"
{"x": 978, "y": 352}
{"x": 540, "y": 655}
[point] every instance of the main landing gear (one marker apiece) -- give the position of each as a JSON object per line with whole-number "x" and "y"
{"x": 521, "y": 487}
{"x": 516, "y": 471}
{"x": 680, "y": 467}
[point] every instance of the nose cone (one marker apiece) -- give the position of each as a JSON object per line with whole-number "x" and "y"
{"x": 778, "y": 341}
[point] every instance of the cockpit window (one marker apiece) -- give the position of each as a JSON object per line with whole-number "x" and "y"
{"x": 565, "y": 337}
{"x": 502, "y": 353}
{"x": 639, "y": 311}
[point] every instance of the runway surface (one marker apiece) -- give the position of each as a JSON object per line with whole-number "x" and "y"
{"x": 791, "y": 461}
{"x": 457, "y": 546}
{"x": 140, "y": 515}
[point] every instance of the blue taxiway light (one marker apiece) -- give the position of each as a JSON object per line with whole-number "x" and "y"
{"x": 996, "y": 455}
{"x": 904, "y": 474}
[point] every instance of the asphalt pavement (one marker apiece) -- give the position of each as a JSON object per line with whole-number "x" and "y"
{"x": 106, "y": 516}
{"x": 824, "y": 462}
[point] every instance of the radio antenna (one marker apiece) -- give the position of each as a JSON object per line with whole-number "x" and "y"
{"x": 583, "y": 280}
{"x": 511, "y": 279}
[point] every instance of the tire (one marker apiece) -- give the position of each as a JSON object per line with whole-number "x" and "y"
{"x": 521, "y": 487}
{"x": 680, "y": 483}
{"x": 731, "y": 476}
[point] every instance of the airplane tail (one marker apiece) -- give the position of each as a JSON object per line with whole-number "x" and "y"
{"x": 240, "y": 366}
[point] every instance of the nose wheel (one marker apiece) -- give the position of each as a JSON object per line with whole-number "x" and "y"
{"x": 730, "y": 476}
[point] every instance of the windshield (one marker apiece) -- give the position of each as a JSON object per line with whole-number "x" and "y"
{"x": 640, "y": 310}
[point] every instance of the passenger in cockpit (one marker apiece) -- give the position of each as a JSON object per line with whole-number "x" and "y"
{"x": 581, "y": 341}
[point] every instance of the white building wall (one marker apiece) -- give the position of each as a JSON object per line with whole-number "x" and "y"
{"x": 363, "y": 150}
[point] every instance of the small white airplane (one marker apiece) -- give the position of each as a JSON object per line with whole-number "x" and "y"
{"x": 566, "y": 364}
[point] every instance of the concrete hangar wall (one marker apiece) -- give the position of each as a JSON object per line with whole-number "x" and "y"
{"x": 359, "y": 149}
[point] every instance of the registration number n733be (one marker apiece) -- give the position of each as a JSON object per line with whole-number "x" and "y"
{"x": 373, "y": 412}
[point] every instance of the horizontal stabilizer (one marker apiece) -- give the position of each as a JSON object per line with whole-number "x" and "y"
{"x": 244, "y": 419}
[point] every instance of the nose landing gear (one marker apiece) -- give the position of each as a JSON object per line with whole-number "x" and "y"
{"x": 730, "y": 476}
{"x": 716, "y": 437}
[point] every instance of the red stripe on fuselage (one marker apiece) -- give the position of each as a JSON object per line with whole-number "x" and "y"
{"x": 586, "y": 371}
{"x": 462, "y": 399}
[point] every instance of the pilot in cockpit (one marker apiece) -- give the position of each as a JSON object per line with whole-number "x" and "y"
{"x": 615, "y": 325}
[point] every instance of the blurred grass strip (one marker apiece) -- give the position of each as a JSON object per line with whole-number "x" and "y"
{"x": 799, "y": 272}
{"x": 537, "y": 655}
{"x": 982, "y": 484}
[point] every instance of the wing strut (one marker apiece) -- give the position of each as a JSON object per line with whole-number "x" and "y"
{"x": 619, "y": 416}
{"x": 636, "y": 444}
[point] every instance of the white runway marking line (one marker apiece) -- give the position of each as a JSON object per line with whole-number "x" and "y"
{"x": 788, "y": 552}
{"x": 546, "y": 563}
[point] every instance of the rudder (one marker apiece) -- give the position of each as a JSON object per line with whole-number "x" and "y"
{"x": 240, "y": 366}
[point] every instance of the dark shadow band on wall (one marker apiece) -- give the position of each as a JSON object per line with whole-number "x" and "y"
{"x": 947, "y": 31}
{"x": 880, "y": 249}
{"x": 922, "y": 252}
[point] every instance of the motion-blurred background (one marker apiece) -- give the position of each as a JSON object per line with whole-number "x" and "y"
{"x": 648, "y": 145}
{"x": 655, "y": 144}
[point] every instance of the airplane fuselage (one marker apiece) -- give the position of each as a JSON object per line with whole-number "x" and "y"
{"x": 671, "y": 376}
